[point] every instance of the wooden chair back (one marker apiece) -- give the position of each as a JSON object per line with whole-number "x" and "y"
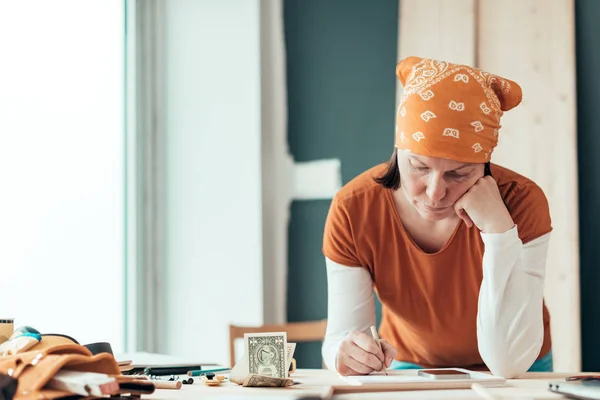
{"x": 309, "y": 331}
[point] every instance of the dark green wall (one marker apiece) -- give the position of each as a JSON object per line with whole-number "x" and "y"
{"x": 587, "y": 30}
{"x": 341, "y": 58}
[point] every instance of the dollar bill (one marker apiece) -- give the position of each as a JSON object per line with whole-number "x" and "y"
{"x": 267, "y": 354}
{"x": 254, "y": 380}
{"x": 291, "y": 347}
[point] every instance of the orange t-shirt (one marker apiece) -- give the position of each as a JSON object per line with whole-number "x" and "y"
{"x": 429, "y": 301}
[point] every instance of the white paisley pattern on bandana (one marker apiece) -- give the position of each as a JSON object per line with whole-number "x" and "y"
{"x": 427, "y": 73}
{"x": 424, "y": 75}
{"x": 450, "y": 110}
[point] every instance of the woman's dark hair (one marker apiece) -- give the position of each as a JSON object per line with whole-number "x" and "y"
{"x": 391, "y": 178}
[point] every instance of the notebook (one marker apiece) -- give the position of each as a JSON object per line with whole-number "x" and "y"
{"x": 159, "y": 364}
{"x": 410, "y": 378}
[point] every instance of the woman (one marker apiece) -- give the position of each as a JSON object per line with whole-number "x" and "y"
{"x": 455, "y": 247}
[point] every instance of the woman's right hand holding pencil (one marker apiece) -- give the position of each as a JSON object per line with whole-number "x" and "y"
{"x": 360, "y": 354}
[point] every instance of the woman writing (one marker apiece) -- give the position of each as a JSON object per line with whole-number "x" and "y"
{"x": 454, "y": 246}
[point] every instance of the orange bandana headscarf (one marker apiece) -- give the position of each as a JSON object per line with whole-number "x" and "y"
{"x": 451, "y": 111}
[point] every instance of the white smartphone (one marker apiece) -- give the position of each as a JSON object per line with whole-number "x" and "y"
{"x": 443, "y": 374}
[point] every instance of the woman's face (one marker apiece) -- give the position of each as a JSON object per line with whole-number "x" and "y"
{"x": 432, "y": 185}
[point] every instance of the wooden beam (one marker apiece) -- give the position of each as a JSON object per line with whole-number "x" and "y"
{"x": 439, "y": 29}
{"x": 533, "y": 43}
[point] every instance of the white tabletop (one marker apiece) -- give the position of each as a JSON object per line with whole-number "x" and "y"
{"x": 320, "y": 383}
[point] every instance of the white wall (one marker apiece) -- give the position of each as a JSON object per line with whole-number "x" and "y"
{"x": 61, "y": 167}
{"x": 212, "y": 176}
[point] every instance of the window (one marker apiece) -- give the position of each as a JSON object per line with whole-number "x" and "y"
{"x": 62, "y": 167}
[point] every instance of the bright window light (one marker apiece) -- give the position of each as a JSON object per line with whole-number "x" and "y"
{"x": 62, "y": 167}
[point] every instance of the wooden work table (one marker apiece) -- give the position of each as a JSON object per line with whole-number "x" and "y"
{"x": 327, "y": 385}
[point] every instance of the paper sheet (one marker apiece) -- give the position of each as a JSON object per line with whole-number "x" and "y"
{"x": 411, "y": 376}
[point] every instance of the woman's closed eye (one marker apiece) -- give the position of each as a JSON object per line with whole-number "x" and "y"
{"x": 419, "y": 167}
{"x": 457, "y": 175}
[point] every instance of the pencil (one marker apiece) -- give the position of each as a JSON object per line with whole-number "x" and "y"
{"x": 376, "y": 337}
{"x": 198, "y": 372}
{"x": 484, "y": 393}
{"x": 167, "y": 384}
